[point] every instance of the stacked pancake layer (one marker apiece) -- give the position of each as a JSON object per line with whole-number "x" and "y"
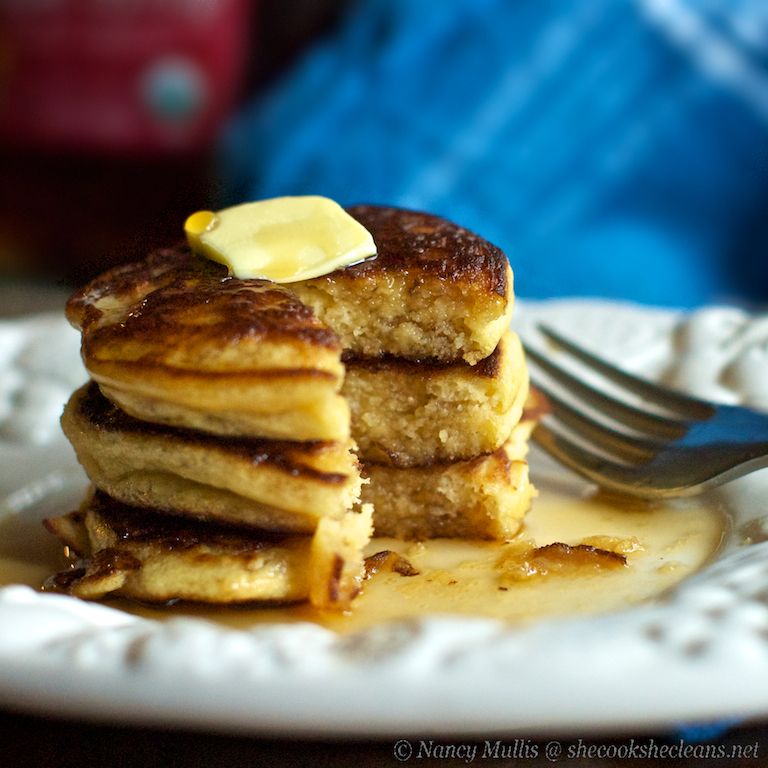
{"x": 216, "y": 437}
{"x": 435, "y": 382}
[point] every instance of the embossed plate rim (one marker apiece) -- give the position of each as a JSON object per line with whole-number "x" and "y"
{"x": 699, "y": 654}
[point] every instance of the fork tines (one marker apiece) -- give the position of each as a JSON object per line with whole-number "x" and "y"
{"x": 603, "y": 420}
{"x": 634, "y": 436}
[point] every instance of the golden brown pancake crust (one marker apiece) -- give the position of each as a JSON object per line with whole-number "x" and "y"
{"x": 411, "y": 240}
{"x": 286, "y": 455}
{"x": 175, "y": 532}
{"x": 173, "y": 284}
{"x": 149, "y": 555}
{"x": 176, "y": 300}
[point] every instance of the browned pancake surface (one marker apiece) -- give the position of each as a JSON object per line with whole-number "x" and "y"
{"x": 177, "y": 307}
{"x": 132, "y": 524}
{"x": 290, "y": 457}
{"x": 408, "y": 240}
{"x": 149, "y": 555}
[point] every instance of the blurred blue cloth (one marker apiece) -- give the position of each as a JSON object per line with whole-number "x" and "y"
{"x": 612, "y": 148}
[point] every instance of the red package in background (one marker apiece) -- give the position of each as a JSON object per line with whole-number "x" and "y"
{"x": 125, "y": 76}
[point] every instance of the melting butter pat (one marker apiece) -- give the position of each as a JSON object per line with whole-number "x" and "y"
{"x": 284, "y": 239}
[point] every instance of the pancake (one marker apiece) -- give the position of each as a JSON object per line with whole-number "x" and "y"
{"x": 274, "y": 485}
{"x": 485, "y": 497}
{"x": 434, "y": 291}
{"x": 154, "y": 557}
{"x": 407, "y": 414}
{"x": 172, "y": 339}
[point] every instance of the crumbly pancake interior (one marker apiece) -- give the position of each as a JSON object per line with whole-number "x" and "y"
{"x": 434, "y": 290}
{"x": 485, "y": 497}
{"x": 407, "y": 414}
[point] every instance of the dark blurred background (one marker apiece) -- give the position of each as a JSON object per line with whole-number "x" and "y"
{"x": 613, "y": 149}
{"x": 95, "y": 168}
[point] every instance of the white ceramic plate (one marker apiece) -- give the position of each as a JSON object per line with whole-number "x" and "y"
{"x": 700, "y": 654}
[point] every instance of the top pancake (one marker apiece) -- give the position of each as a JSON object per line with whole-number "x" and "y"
{"x": 173, "y": 339}
{"x": 434, "y": 290}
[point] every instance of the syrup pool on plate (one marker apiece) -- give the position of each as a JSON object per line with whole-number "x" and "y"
{"x": 667, "y": 543}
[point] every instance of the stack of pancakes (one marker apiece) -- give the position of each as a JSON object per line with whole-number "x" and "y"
{"x": 435, "y": 380}
{"x": 238, "y": 432}
{"x": 217, "y": 441}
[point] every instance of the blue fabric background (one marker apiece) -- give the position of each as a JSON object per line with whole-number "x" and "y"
{"x": 612, "y": 148}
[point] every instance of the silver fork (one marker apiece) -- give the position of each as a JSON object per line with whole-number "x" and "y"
{"x": 669, "y": 444}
